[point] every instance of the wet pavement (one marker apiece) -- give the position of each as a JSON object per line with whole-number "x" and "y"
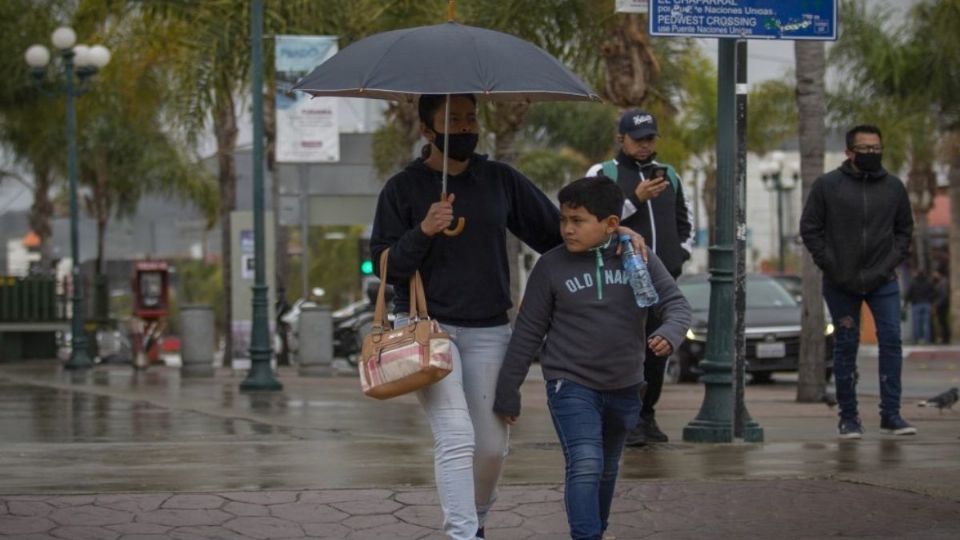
{"x": 114, "y": 453}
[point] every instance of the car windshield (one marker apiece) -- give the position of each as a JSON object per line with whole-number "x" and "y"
{"x": 761, "y": 293}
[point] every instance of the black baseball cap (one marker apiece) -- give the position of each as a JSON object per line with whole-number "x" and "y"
{"x": 637, "y": 124}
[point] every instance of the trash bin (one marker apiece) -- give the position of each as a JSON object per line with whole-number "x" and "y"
{"x": 196, "y": 341}
{"x": 315, "y": 349}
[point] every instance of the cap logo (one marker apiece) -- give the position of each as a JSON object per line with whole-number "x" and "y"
{"x": 642, "y": 119}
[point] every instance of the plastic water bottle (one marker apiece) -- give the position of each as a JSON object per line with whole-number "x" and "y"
{"x": 639, "y": 275}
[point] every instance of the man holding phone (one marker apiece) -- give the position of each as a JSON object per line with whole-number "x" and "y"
{"x": 655, "y": 207}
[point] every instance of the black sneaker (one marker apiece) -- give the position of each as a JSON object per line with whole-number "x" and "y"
{"x": 652, "y": 430}
{"x": 895, "y": 425}
{"x": 637, "y": 437}
{"x": 850, "y": 428}
{"x": 480, "y": 533}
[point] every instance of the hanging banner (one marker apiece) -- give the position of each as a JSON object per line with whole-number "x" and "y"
{"x": 308, "y": 130}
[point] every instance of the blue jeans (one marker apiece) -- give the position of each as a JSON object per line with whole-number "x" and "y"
{"x": 884, "y": 304}
{"x": 920, "y": 316}
{"x": 592, "y": 427}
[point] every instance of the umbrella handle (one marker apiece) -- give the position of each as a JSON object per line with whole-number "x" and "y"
{"x": 457, "y": 230}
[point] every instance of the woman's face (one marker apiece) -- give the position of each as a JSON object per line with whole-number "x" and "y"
{"x": 463, "y": 117}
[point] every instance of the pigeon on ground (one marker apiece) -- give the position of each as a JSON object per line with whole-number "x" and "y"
{"x": 942, "y": 401}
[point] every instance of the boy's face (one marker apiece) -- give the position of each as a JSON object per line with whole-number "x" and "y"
{"x": 582, "y": 230}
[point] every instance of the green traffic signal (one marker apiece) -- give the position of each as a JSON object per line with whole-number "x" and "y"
{"x": 366, "y": 267}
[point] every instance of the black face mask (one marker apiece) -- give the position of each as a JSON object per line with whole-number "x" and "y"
{"x": 868, "y": 163}
{"x": 462, "y": 145}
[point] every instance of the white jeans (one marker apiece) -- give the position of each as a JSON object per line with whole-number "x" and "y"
{"x": 469, "y": 440}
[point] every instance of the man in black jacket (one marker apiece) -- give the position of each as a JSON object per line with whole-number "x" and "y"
{"x": 655, "y": 207}
{"x": 857, "y": 226}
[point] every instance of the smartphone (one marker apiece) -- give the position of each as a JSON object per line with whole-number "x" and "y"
{"x": 658, "y": 174}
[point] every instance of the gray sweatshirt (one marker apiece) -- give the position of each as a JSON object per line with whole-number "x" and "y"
{"x": 579, "y": 312}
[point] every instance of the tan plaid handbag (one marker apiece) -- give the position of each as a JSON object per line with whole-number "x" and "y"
{"x": 398, "y": 361}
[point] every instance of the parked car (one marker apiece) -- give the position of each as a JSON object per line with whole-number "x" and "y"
{"x": 792, "y": 283}
{"x": 771, "y": 328}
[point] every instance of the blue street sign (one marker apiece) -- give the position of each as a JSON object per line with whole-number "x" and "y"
{"x": 751, "y": 19}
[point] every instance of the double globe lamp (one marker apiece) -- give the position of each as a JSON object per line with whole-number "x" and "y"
{"x": 81, "y": 61}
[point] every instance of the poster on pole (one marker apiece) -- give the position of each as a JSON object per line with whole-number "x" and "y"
{"x": 308, "y": 129}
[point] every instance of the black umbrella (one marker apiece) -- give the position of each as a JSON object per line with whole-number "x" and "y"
{"x": 447, "y": 58}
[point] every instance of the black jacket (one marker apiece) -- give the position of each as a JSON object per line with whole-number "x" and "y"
{"x": 466, "y": 277}
{"x": 857, "y": 227}
{"x": 665, "y": 222}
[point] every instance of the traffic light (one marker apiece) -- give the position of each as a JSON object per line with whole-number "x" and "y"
{"x": 366, "y": 258}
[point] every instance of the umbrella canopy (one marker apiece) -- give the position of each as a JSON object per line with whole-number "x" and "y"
{"x": 448, "y": 58}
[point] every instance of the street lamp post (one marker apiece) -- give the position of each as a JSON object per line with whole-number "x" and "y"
{"x": 722, "y": 416}
{"x": 83, "y": 62}
{"x": 260, "y": 376}
{"x": 775, "y": 181}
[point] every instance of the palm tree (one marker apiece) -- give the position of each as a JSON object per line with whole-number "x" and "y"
{"x": 126, "y": 152}
{"x": 33, "y": 132}
{"x": 812, "y": 109}
{"x": 631, "y": 64}
{"x": 31, "y": 126}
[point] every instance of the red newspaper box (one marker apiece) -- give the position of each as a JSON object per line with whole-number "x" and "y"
{"x": 151, "y": 282}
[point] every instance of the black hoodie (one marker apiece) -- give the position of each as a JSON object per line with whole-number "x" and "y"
{"x": 857, "y": 227}
{"x": 466, "y": 277}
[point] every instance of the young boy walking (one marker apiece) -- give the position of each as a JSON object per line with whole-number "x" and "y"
{"x": 580, "y": 314}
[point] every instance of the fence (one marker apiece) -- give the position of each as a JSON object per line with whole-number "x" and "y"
{"x": 31, "y": 299}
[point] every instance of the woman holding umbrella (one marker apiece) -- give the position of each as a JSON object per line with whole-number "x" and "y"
{"x": 467, "y": 284}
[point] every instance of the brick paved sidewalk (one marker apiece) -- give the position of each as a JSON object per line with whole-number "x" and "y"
{"x": 807, "y": 509}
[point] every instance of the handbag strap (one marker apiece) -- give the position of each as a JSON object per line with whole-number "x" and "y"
{"x": 379, "y": 312}
{"x": 416, "y": 291}
{"x": 418, "y": 301}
